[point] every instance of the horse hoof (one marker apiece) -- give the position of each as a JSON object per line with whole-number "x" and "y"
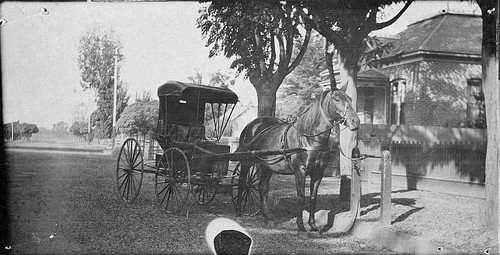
{"x": 314, "y": 234}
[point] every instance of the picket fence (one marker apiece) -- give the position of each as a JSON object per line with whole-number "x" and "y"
{"x": 449, "y": 160}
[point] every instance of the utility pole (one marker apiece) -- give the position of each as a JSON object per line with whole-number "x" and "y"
{"x": 113, "y": 132}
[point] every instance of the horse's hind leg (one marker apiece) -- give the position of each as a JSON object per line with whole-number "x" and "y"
{"x": 300, "y": 183}
{"x": 265, "y": 178}
{"x": 244, "y": 168}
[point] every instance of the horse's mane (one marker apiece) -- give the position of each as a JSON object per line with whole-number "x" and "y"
{"x": 309, "y": 118}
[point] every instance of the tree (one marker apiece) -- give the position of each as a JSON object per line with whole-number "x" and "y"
{"x": 60, "y": 128}
{"x": 79, "y": 129}
{"x": 21, "y": 131}
{"x": 96, "y": 61}
{"x": 261, "y": 35}
{"x": 346, "y": 25}
{"x": 139, "y": 118}
{"x": 144, "y": 97}
{"x": 491, "y": 88}
{"x": 27, "y": 130}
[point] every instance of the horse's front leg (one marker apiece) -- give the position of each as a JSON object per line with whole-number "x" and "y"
{"x": 300, "y": 183}
{"x": 316, "y": 177}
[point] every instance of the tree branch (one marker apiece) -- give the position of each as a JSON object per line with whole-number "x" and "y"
{"x": 318, "y": 24}
{"x": 302, "y": 51}
{"x": 282, "y": 52}
{"x": 259, "y": 48}
{"x": 379, "y": 26}
{"x": 273, "y": 55}
{"x": 329, "y": 65}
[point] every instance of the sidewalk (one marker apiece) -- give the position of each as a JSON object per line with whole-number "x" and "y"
{"x": 46, "y": 146}
{"x": 422, "y": 222}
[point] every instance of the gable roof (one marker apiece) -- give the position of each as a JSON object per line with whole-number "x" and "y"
{"x": 449, "y": 33}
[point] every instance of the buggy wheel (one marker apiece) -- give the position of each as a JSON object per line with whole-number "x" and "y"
{"x": 172, "y": 180}
{"x": 129, "y": 170}
{"x": 250, "y": 199}
{"x": 205, "y": 186}
{"x": 204, "y": 190}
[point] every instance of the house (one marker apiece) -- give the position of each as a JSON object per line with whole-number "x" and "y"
{"x": 426, "y": 106}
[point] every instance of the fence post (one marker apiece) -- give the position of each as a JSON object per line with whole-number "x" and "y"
{"x": 355, "y": 183}
{"x": 385, "y": 192}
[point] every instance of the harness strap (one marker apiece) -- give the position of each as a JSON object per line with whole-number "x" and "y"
{"x": 284, "y": 145}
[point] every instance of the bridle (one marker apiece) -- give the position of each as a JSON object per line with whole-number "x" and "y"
{"x": 342, "y": 120}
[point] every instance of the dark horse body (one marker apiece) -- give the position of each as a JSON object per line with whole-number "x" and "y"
{"x": 310, "y": 131}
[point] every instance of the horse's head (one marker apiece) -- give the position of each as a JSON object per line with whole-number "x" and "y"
{"x": 338, "y": 107}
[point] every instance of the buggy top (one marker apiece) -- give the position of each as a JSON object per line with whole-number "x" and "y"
{"x": 205, "y": 94}
{"x": 182, "y": 110}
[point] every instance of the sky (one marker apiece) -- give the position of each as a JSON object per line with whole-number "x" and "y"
{"x": 39, "y": 51}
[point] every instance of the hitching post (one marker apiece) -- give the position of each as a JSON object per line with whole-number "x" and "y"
{"x": 355, "y": 183}
{"x": 385, "y": 193}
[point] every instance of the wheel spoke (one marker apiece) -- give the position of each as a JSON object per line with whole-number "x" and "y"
{"x": 121, "y": 176}
{"x": 123, "y": 182}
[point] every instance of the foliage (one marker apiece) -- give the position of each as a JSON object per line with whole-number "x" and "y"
{"x": 144, "y": 97}
{"x": 79, "y": 129}
{"x": 60, "y": 128}
{"x": 346, "y": 24}
{"x": 96, "y": 61}
{"x": 21, "y": 131}
{"x": 140, "y": 117}
{"x": 260, "y": 36}
{"x": 80, "y": 112}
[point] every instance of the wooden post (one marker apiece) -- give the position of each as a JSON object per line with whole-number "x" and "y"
{"x": 355, "y": 183}
{"x": 385, "y": 193}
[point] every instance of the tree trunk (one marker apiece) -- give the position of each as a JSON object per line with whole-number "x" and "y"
{"x": 492, "y": 97}
{"x": 348, "y": 139}
{"x": 266, "y": 98}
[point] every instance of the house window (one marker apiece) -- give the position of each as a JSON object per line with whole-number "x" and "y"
{"x": 398, "y": 91}
{"x": 369, "y": 105}
{"x": 476, "y": 114}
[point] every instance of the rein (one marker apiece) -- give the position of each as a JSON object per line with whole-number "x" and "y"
{"x": 342, "y": 120}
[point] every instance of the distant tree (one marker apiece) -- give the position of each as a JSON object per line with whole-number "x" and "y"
{"x": 80, "y": 112}
{"x": 139, "y": 118}
{"x": 197, "y": 78}
{"x": 144, "y": 97}
{"x": 79, "y": 129}
{"x": 60, "y": 129}
{"x": 96, "y": 61}
{"x": 26, "y": 130}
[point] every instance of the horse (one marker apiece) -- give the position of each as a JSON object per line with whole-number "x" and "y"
{"x": 310, "y": 131}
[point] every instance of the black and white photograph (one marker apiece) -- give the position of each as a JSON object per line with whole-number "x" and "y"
{"x": 250, "y": 127}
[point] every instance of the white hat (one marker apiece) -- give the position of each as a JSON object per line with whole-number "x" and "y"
{"x": 229, "y": 232}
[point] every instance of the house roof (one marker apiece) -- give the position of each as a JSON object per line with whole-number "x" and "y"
{"x": 444, "y": 33}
